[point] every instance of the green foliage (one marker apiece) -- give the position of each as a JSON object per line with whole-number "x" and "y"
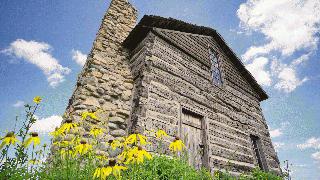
{"x": 256, "y": 174}
{"x": 19, "y": 160}
{"x": 164, "y": 167}
{"x": 261, "y": 175}
{"x": 69, "y": 168}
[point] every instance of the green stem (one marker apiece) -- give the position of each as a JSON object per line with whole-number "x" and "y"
{"x": 68, "y": 162}
{"x": 21, "y": 149}
{"x": 6, "y": 154}
{"x": 32, "y": 158}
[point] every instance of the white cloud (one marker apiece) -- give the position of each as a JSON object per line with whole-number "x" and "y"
{"x": 18, "y": 104}
{"x": 286, "y": 75}
{"x": 312, "y": 142}
{"x": 288, "y": 80}
{"x": 276, "y": 133}
{"x": 79, "y": 57}
{"x": 316, "y": 156}
{"x": 254, "y": 51}
{"x": 46, "y": 125}
{"x": 257, "y": 69}
{"x": 282, "y": 23}
{"x": 278, "y": 145}
{"x": 301, "y": 59}
{"x": 38, "y": 53}
{"x": 288, "y": 26}
{"x": 285, "y": 124}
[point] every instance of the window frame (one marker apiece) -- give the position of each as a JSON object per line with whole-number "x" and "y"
{"x": 215, "y": 67}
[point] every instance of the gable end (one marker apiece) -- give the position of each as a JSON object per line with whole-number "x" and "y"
{"x": 148, "y": 23}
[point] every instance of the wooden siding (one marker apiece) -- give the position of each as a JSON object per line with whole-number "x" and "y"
{"x": 173, "y": 78}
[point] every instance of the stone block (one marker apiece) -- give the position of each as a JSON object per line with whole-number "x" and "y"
{"x": 128, "y": 86}
{"x": 102, "y": 101}
{"x": 90, "y": 87}
{"x": 126, "y": 95}
{"x": 123, "y": 112}
{"x": 96, "y": 74}
{"x": 117, "y": 120}
{"x": 100, "y": 91}
{"x": 112, "y": 126}
{"x": 118, "y": 133}
{"x": 105, "y": 77}
{"x": 91, "y": 101}
{"x": 109, "y": 106}
{"x": 107, "y": 97}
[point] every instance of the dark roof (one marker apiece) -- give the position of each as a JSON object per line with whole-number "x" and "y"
{"x": 147, "y": 23}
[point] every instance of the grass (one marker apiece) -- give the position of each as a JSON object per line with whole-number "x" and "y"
{"x": 22, "y": 157}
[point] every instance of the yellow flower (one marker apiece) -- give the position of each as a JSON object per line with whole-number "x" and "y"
{"x": 122, "y": 157}
{"x": 176, "y": 145}
{"x": 98, "y": 173}
{"x": 57, "y": 133}
{"x": 84, "y": 115}
{"x": 112, "y": 168}
{"x": 37, "y": 99}
{"x": 34, "y": 138}
{"x": 64, "y": 144}
{"x": 10, "y": 138}
{"x": 96, "y": 132}
{"x": 114, "y": 144}
{"x": 82, "y": 148}
{"x": 160, "y": 134}
{"x": 217, "y": 174}
{"x": 137, "y": 155}
{"x": 101, "y": 157}
{"x": 116, "y": 171}
{"x": 135, "y": 138}
{"x": 66, "y": 153}
{"x": 67, "y": 126}
{"x": 34, "y": 161}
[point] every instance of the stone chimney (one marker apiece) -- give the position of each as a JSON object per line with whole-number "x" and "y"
{"x": 105, "y": 83}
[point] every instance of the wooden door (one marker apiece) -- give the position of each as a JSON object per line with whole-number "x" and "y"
{"x": 192, "y": 135}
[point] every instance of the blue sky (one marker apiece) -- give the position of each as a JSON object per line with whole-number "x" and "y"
{"x": 43, "y": 45}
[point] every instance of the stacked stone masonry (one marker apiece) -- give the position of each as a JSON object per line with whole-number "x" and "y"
{"x": 165, "y": 73}
{"x": 106, "y": 83}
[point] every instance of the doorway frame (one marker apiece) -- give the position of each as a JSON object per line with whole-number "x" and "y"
{"x": 204, "y": 134}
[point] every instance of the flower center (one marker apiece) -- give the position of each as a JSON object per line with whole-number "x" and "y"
{"x": 177, "y": 138}
{"x": 10, "y": 134}
{"x": 83, "y": 142}
{"x": 112, "y": 162}
{"x": 139, "y": 148}
{"x": 68, "y": 121}
{"x": 110, "y": 141}
{"x": 34, "y": 134}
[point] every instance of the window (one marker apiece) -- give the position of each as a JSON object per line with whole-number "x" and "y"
{"x": 215, "y": 70}
{"x": 257, "y": 147}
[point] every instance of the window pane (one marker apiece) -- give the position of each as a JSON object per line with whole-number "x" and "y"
{"x": 216, "y": 75}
